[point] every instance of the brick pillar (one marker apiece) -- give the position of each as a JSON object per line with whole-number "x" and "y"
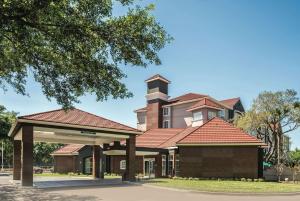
{"x": 27, "y": 155}
{"x": 96, "y": 161}
{"x": 130, "y": 159}
{"x": 102, "y": 164}
{"x": 17, "y": 160}
{"x": 158, "y": 166}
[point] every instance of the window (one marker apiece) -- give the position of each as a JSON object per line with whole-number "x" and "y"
{"x": 163, "y": 165}
{"x": 197, "y": 116}
{"x": 166, "y": 124}
{"x": 166, "y": 111}
{"x": 211, "y": 114}
{"x": 123, "y": 165}
{"x": 176, "y": 164}
{"x": 221, "y": 114}
{"x": 88, "y": 165}
{"x": 170, "y": 170}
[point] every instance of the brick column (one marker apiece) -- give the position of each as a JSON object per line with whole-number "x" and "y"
{"x": 130, "y": 158}
{"x": 17, "y": 160}
{"x": 27, "y": 155}
{"x": 96, "y": 161}
{"x": 102, "y": 164}
{"x": 158, "y": 166}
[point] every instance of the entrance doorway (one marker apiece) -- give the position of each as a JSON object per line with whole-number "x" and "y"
{"x": 88, "y": 165}
{"x": 149, "y": 170}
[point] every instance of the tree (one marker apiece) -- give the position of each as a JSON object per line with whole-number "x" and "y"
{"x": 272, "y": 115}
{"x": 75, "y": 47}
{"x": 42, "y": 151}
{"x": 6, "y": 120}
{"x": 293, "y": 162}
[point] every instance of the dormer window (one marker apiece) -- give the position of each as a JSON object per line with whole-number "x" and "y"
{"x": 197, "y": 116}
{"x": 221, "y": 114}
{"x": 211, "y": 114}
{"x": 166, "y": 111}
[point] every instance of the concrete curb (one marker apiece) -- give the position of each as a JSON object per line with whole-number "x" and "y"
{"x": 221, "y": 193}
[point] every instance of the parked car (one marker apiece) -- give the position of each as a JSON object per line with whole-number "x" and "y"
{"x": 37, "y": 170}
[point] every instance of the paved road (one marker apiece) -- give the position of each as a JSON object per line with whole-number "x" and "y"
{"x": 120, "y": 193}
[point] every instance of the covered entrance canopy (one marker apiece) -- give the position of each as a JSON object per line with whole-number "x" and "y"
{"x": 72, "y": 127}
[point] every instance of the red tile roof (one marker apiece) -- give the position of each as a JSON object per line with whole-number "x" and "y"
{"x": 217, "y": 131}
{"x": 230, "y": 102}
{"x": 171, "y": 142}
{"x": 68, "y": 149}
{"x": 77, "y": 117}
{"x": 187, "y": 97}
{"x": 205, "y": 102}
{"x": 155, "y": 137}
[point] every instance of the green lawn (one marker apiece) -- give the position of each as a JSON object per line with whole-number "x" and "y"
{"x": 227, "y": 186}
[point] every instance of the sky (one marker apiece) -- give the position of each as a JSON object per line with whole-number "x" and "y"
{"x": 224, "y": 48}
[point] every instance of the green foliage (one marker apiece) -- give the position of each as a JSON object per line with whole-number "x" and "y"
{"x": 293, "y": 158}
{"x": 272, "y": 115}
{"x": 75, "y": 47}
{"x": 6, "y": 120}
{"x": 42, "y": 151}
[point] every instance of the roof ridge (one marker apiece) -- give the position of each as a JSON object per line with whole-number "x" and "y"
{"x": 179, "y": 134}
{"x": 104, "y": 118}
{"x": 38, "y": 113}
{"x": 171, "y": 137}
{"x": 231, "y": 98}
{"x": 223, "y": 121}
{"x": 198, "y": 128}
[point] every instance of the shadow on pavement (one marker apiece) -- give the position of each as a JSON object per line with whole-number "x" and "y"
{"x": 10, "y": 193}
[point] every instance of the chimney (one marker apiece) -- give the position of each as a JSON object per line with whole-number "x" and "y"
{"x": 157, "y": 96}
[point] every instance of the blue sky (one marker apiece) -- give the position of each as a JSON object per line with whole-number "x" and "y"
{"x": 221, "y": 48}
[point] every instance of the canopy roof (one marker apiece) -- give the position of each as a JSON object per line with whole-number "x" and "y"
{"x": 72, "y": 127}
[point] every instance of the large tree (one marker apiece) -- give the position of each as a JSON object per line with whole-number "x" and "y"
{"x": 74, "y": 47}
{"x": 6, "y": 120}
{"x": 41, "y": 150}
{"x": 272, "y": 115}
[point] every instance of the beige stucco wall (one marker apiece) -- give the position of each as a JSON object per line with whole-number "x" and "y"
{"x": 180, "y": 117}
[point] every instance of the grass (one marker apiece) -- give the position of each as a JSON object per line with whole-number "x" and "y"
{"x": 228, "y": 186}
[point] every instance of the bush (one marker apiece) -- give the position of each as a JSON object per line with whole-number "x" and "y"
{"x": 249, "y": 180}
{"x": 261, "y": 180}
{"x": 243, "y": 179}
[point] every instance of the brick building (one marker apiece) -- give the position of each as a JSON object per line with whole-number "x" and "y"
{"x": 190, "y": 136}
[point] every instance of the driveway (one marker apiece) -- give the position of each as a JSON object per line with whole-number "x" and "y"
{"x": 121, "y": 192}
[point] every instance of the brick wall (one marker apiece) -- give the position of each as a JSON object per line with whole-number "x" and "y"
{"x": 139, "y": 162}
{"x": 65, "y": 164}
{"x": 115, "y": 164}
{"x": 154, "y": 115}
{"x": 222, "y": 162}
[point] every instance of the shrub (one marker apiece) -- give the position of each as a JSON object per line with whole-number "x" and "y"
{"x": 249, "y": 180}
{"x": 255, "y": 180}
{"x": 261, "y": 180}
{"x": 243, "y": 179}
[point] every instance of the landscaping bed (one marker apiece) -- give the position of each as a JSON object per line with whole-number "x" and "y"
{"x": 229, "y": 186}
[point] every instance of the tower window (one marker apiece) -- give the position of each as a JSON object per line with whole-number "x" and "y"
{"x": 166, "y": 124}
{"x": 166, "y": 111}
